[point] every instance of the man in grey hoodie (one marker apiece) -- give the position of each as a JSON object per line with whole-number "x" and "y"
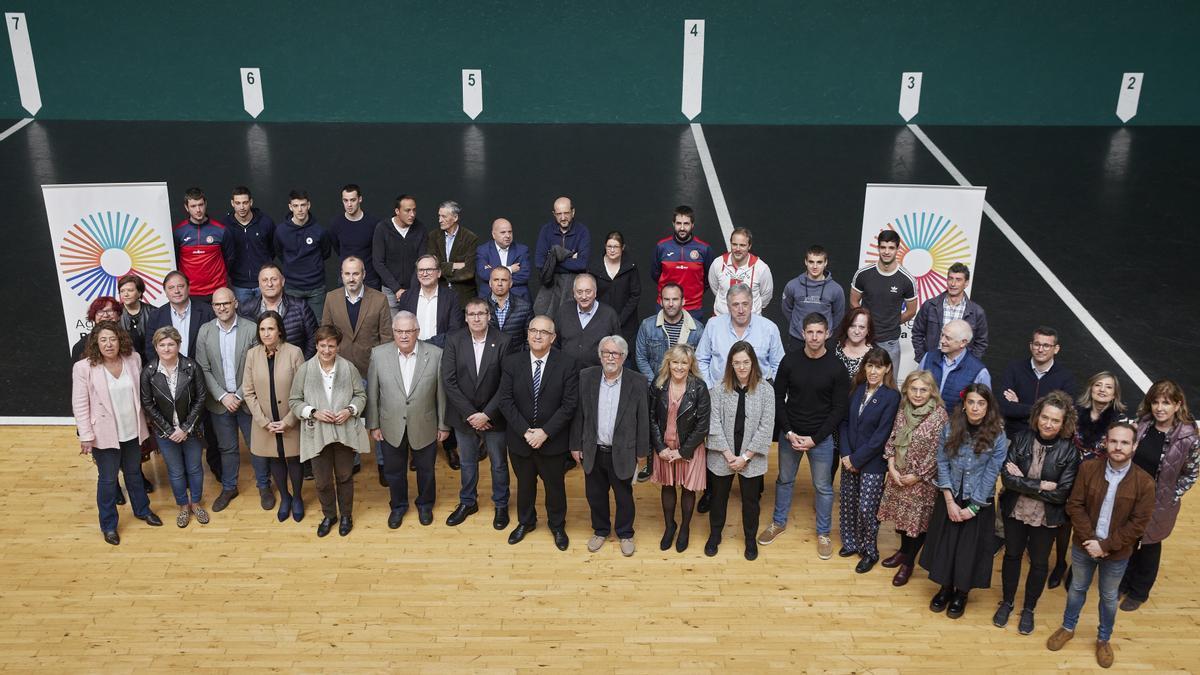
{"x": 813, "y": 291}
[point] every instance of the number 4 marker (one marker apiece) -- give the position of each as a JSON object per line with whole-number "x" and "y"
{"x": 693, "y": 67}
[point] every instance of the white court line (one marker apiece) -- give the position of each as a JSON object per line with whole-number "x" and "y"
{"x": 33, "y": 421}
{"x": 714, "y": 185}
{"x": 15, "y": 128}
{"x": 1110, "y": 345}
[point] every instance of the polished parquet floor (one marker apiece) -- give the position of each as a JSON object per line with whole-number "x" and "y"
{"x": 249, "y": 593}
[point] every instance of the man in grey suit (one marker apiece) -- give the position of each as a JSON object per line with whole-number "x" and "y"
{"x": 610, "y": 432}
{"x": 221, "y": 353}
{"x": 406, "y": 410}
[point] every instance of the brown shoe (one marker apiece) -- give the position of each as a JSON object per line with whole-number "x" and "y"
{"x": 1104, "y": 654}
{"x": 1130, "y": 605}
{"x": 824, "y": 547}
{"x": 902, "y": 574}
{"x": 1059, "y": 638}
{"x": 895, "y": 560}
{"x": 768, "y": 535}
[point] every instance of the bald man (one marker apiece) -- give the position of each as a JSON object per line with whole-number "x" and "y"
{"x": 502, "y": 251}
{"x": 560, "y": 267}
{"x": 953, "y": 365}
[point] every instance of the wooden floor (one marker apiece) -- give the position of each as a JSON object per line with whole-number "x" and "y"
{"x": 247, "y": 592}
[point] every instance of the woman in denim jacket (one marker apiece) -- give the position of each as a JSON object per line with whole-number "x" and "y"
{"x": 958, "y": 552}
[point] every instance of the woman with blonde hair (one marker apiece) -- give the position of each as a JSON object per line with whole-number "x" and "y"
{"x": 679, "y": 422}
{"x": 911, "y": 454}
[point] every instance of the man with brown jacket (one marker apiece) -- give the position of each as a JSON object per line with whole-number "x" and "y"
{"x": 1109, "y": 507}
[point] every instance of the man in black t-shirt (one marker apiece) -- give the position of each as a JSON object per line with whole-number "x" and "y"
{"x": 888, "y": 291}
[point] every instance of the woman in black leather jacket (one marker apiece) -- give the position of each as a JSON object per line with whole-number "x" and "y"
{"x": 1037, "y": 477}
{"x": 679, "y": 416}
{"x": 173, "y": 399}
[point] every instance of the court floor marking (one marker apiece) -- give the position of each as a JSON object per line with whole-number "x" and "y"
{"x": 714, "y": 185}
{"x": 1085, "y": 317}
{"x": 15, "y": 128}
{"x": 28, "y": 421}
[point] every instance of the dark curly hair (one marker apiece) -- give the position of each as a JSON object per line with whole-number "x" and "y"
{"x": 91, "y": 351}
{"x": 1062, "y": 401}
{"x": 989, "y": 429}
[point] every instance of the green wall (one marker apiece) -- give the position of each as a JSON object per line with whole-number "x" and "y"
{"x": 769, "y": 62}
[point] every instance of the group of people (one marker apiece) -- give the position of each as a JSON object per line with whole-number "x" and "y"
{"x": 434, "y": 338}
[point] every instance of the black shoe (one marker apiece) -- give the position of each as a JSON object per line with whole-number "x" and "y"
{"x": 151, "y": 519}
{"x": 1056, "y": 575}
{"x": 668, "y": 537}
{"x": 560, "y": 539}
{"x": 845, "y": 552}
{"x": 425, "y": 516}
{"x": 382, "y": 478}
{"x": 957, "y": 606}
{"x": 644, "y": 474}
{"x": 395, "y": 518}
{"x": 357, "y": 468}
{"x": 751, "y": 552}
{"x": 297, "y": 509}
{"x": 285, "y": 508}
{"x": 146, "y": 482}
{"x": 865, "y": 565}
{"x": 266, "y": 498}
{"x": 703, "y": 503}
{"x": 1025, "y": 625}
{"x": 894, "y": 560}
{"x": 460, "y": 514}
{"x": 112, "y": 538}
{"x": 453, "y": 459}
{"x": 120, "y": 497}
{"x": 412, "y": 464}
{"x": 325, "y": 526}
{"x": 306, "y": 470}
{"x": 681, "y": 542}
{"x": 1000, "y": 618}
{"x": 223, "y": 500}
{"x": 519, "y": 533}
{"x": 711, "y": 546}
{"x": 500, "y": 521}
{"x": 345, "y": 526}
{"x": 940, "y": 600}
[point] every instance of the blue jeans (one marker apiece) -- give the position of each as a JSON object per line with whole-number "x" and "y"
{"x": 315, "y": 297}
{"x": 128, "y": 460}
{"x": 183, "y": 468}
{"x": 820, "y": 465}
{"x": 1083, "y": 566}
{"x": 247, "y": 297}
{"x": 226, "y": 424}
{"x": 469, "y": 452}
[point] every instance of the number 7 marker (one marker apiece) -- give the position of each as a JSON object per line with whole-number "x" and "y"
{"x": 22, "y": 53}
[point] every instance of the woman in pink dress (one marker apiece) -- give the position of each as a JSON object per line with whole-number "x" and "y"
{"x": 679, "y": 409}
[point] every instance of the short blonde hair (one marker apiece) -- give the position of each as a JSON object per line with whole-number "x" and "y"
{"x": 926, "y": 377}
{"x": 677, "y": 353}
{"x": 164, "y": 333}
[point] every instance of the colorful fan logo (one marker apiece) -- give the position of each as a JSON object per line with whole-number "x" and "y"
{"x": 103, "y": 247}
{"x": 929, "y": 245}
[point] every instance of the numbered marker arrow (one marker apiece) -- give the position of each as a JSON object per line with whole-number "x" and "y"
{"x": 22, "y": 53}
{"x": 472, "y": 86}
{"x": 1131, "y": 91}
{"x": 693, "y": 67}
{"x": 910, "y": 95}
{"x": 252, "y": 93}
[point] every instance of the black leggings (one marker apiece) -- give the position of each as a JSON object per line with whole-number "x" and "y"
{"x": 1062, "y": 544}
{"x": 1019, "y": 537}
{"x": 283, "y": 469}
{"x": 687, "y": 506}
{"x": 911, "y": 546}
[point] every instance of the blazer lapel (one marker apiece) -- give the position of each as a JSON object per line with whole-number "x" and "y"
{"x": 394, "y": 359}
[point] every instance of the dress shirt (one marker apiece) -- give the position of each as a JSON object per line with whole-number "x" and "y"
{"x": 502, "y": 310}
{"x": 450, "y": 241}
{"x": 354, "y": 299}
{"x": 1114, "y": 478}
{"x": 1039, "y": 374}
{"x": 427, "y": 314}
{"x": 953, "y": 312}
{"x": 606, "y": 413}
{"x": 503, "y": 253}
{"x": 478, "y": 346}
{"x": 586, "y": 317}
{"x": 408, "y": 368}
{"x": 228, "y": 341}
{"x": 182, "y": 322}
{"x": 533, "y": 361}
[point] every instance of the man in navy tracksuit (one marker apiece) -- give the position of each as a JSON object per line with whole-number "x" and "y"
{"x": 250, "y": 245}
{"x": 303, "y": 246}
{"x": 1024, "y": 382}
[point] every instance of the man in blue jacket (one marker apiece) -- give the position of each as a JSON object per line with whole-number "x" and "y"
{"x": 576, "y": 243}
{"x": 251, "y": 244}
{"x": 303, "y": 246}
{"x": 947, "y": 306}
{"x": 953, "y": 365}
{"x": 502, "y": 251}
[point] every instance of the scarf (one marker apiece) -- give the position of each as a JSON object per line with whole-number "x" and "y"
{"x": 912, "y": 419}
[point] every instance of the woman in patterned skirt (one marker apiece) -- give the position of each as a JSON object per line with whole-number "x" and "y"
{"x": 679, "y": 420}
{"x": 911, "y": 454}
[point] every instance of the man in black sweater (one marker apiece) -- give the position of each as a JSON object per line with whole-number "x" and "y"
{"x": 583, "y": 323}
{"x": 812, "y": 392}
{"x": 1024, "y": 382}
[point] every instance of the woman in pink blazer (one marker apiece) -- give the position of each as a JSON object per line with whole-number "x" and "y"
{"x": 106, "y": 397}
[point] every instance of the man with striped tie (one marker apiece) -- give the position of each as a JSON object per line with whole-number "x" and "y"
{"x": 538, "y": 395}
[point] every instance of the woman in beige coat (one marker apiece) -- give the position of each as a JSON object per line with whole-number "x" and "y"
{"x": 271, "y": 366}
{"x": 329, "y": 398}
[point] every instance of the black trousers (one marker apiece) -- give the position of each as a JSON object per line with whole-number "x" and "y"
{"x": 721, "y": 486}
{"x": 395, "y": 470}
{"x": 1142, "y": 571}
{"x": 212, "y": 452}
{"x": 597, "y": 485}
{"x": 1018, "y": 537}
{"x": 551, "y": 470}
{"x": 333, "y": 472}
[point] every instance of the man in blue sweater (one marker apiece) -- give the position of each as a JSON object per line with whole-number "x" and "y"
{"x": 251, "y": 244}
{"x": 353, "y": 231}
{"x": 303, "y": 246}
{"x": 1024, "y": 382}
{"x": 576, "y": 242}
{"x": 953, "y": 365}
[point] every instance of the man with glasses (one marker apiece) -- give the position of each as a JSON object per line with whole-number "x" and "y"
{"x": 471, "y": 365}
{"x": 539, "y": 390}
{"x": 562, "y": 250}
{"x": 1025, "y": 381}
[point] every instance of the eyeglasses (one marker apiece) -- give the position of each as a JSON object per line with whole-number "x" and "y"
{"x": 538, "y": 332}
{"x": 399, "y": 331}
{"x": 426, "y": 270}
{"x": 476, "y": 314}
{"x": 223, "y": 304}
{"x": 1042, "y": 346}
{"x": 611, "y": 355}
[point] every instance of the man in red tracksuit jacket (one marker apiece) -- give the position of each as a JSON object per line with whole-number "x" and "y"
{"x": 199, "y": 246}
{"x": 684, "y": 259}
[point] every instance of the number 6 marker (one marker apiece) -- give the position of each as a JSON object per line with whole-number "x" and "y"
{"x": 252, "y": 93}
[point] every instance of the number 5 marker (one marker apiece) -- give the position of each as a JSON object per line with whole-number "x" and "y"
{"x": 472, "y": 87}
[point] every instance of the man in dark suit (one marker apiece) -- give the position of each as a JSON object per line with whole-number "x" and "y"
{"x": 611, "y": 431}
{"x": 583, "y": 323}
{"x": 538, "y": 393}
{"x": 510, "y": 312}
{"x": 471, "y": 364}
{"x": 299, "y": 322}
{"x": 455, "y": 246}
{"x": 502, "y": 251}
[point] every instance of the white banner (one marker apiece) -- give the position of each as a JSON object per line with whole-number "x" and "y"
{"x": 938, "y": 226}
{"x": 102, "y": 232}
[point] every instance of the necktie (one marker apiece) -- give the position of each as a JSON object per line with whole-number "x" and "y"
{"x": 537, "y": 385}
